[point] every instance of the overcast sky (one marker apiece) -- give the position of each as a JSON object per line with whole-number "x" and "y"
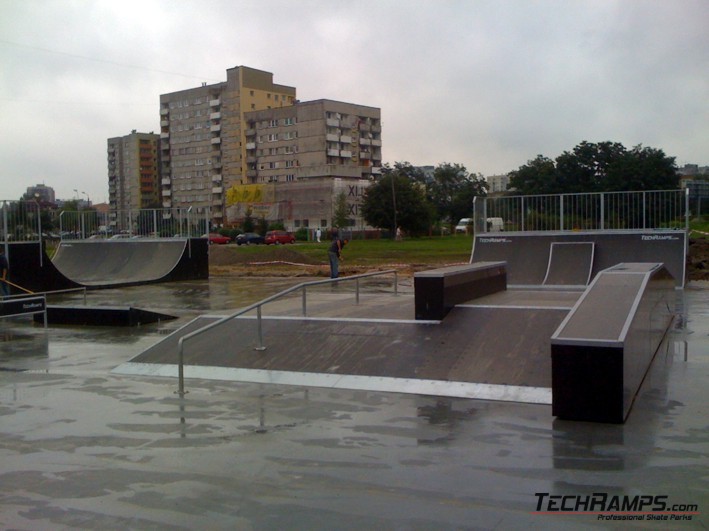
{"x": 487, "y": 84}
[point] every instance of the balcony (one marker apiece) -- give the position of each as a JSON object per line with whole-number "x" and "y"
{"x": 251, "y": 145}
{"x": 250, "y": 132}
{"x": 164, "y": 123}
{"x": 251, "y": 173}
{"x": 215, "y": 103}
{"x": 346, "y": 139}
{"x": 217, "y": 179}
{"x": 365, "y": 142}
{"x": 364, "y": 155}
{"x": 215, "y": 128}
{"x": 164, "y": 112}
{"x": 364, "y": 126}
{"x": 166, "y": 181}
{"x": 333, "y": 152}
{"x": 332, "y": 138}
{"x": 215, "y": 116}
{"x": 216, "y": 141}
{"x": 376, "y": 143}
{"x": 164, "y": 135}
{"x": 167, "y": 193}
{"x": 345, "y": 154}
{"x": 376, "y": 170}
{"x": 332, "y": 122}
{"x": 217, "y": 190}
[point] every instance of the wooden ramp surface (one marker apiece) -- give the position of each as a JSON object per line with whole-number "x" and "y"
{"x": 491, "y": 345}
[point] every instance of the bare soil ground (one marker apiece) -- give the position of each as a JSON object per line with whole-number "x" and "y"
{"x": 286, "y": 261}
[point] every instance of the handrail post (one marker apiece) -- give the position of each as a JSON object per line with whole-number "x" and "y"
{"x": 396, "y": 282}
{"x": 181, "y": 369}
{"x": 260, "y": 330}
{"x": 357, "y": 290}
{"x": 304, "y": 302}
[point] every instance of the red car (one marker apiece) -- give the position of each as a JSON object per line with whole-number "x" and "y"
{"x": 279, "y": 236}
{"x": 217, "y": 238}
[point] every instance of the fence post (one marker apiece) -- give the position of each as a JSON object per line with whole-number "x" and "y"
{"x": 603, "y": 210}
{"x": 561, "y": 212}
{"x": 260, "y": 330}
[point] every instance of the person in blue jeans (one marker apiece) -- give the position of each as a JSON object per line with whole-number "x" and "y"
{"x": 335, "y": 254}
{"x": 4, "y": 273}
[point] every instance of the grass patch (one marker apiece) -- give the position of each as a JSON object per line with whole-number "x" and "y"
{"x": 433, "y": 250}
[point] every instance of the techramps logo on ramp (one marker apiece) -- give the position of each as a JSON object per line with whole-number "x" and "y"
{"x": 495, "y": 240}
{"x": 659, "y": 237}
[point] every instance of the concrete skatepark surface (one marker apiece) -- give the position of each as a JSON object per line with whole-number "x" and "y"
{"x": 85, "y": 447}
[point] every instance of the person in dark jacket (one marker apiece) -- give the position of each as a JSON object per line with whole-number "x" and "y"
{"x": 335, "y": 254}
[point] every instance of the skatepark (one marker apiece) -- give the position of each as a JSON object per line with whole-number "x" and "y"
{"x": 344, "y": 406}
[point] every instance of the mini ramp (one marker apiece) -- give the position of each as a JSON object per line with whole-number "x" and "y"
{"x": 537, "y": 258}
{"x": 106, "y": 264}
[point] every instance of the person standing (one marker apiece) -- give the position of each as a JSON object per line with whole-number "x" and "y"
{"x": 4, "y": 273}
{"x": 335, "y": 255}
{"x": 318, "y": 234}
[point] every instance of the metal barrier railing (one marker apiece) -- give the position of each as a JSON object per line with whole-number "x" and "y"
{"x": 654, "y": 209}
{"x": 153, "y": 223}
{"x": 258, "y": 305}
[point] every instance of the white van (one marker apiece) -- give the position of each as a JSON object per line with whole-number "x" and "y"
{"x": 463, "y": 225}
{"x": 495, "y": 225}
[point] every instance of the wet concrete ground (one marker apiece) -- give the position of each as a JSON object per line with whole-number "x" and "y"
{"x": 83, "y": 448}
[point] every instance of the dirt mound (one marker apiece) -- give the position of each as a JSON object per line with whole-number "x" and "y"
{"x": 228, "y": 255}
{"x": 698, "y": 259}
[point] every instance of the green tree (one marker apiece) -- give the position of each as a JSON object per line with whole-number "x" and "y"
{"x": 248, "y": 224}
{"x": 412, "y": 212}
{"x": 340, "y": 215}
{"x": 597, "y": 167}
{"x": 452, "y": 191}
{"x": 538, "y": 176}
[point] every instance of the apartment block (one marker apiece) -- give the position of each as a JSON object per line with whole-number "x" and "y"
{"x": 301, "y": 157}
{"x": 202, "y": 137}
{"x": 133, "y": 172}
{"x": 315, "y": 139}
{"x": 498, "y": 183}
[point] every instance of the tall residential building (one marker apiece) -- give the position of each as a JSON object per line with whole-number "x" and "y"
{"x": 202, "y": 137}
{"x": 133, "y": 178}
{"x": 498, "y": 183}
{"x": 301, "y": 157}
{"x": 314, "y": 139}
{"x": 42, "y": 193}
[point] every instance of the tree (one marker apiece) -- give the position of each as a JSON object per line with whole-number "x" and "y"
{"x": 602, "y": 167}
{"x": 452, "y": 191}
{"x": 538, "y": 176}
{"x": 340, "y": 215}
{"x": 412, "y": 213}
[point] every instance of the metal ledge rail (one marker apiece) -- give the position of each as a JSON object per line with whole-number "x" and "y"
{"x": 257, "y": 306}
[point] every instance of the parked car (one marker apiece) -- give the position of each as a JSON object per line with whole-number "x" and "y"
{"x": 249, "y": 238}
{"x": 279, "y": 236}
{"x": 464, "y": 225}
{"x": 217, "y": 238}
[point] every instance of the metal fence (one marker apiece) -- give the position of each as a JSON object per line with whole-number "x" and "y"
{"x": 152, "y": 223}
{"x": 26, "y": 221}
{"x": 21, "y": 221}
{"x": 596, "y": 211}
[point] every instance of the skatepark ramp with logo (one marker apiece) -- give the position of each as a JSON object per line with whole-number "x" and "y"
{"x": 573, "y": 258}
{"x": 108, "y": 263}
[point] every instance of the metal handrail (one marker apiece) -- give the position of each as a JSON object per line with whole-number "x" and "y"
{"x": 257, "y": 306}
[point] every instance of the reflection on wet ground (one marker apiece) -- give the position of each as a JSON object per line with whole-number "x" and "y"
{"x": 83, "y": 448}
